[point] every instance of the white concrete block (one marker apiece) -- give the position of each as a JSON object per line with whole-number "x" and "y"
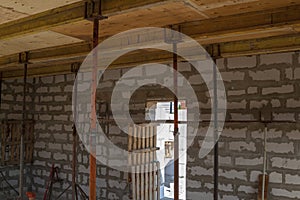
{"x": 237, "y": 105}
{"x": 233, "y": 76}
{"x": 294, "y": 134}
{"x": 241, "y": 62}
{"x": 266, "y": 75}
{"x": 276, "y": 58}
{"x": 275, "y": 177}
{"x": 247, "y": 189}
{"x": 233, "y": 132}
{"x": 279, "y": 192}
{"x": 60, "y": 98}
{"x": 284, "y": 89}
{"x": 248, "y": 161}
{"x": 293, "y": 103}
{"x": 285, "y": 163}
{"x": 200, "y": 171}
{"x": 236, "y": 92}
{"x": 60, "y": 78}
{"x": 60, "y": 156}
{"x": 242, "y": 146}
{"x": 233, "y": 174}
{"x": 258, "y": 104}
{"x": 292, "y": 179}
{"x": 280, "y": 147}
{"x": 284, "y": 116}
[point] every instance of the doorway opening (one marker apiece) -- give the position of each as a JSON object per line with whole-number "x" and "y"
{"x": 162, "y": 113}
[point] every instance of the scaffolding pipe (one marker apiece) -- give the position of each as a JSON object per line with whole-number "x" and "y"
{"x": 75, "y": 138}
{"x": 21, "y": 181}
{"x": 176, "y": 132}
{"x": 92, "y": 139}
{"x": 0, "y": 89}
{"x": 216, "y": 148}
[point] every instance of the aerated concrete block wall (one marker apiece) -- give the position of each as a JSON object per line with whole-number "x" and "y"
{"x": 255, "y": 86}
{"x": 11, "y": 108}
{"x": 54, "y": 121}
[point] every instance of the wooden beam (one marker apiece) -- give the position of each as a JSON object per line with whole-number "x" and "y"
{"x": 50, "y": 54}
{"x": 193, "y": 5}
{"x": 39, "y": 71}
{"x": 228, "y": 49}
{"x": 261, "y": 46}
{"x": 67, "y": 14}
{"x": 252, "y": 25}
{"x": 226, "y": 29}
{"x": 246, "y": 28}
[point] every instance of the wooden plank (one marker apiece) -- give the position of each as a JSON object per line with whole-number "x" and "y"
{"x": 30, "y": 7}
{"x": 243, "y": 24}
{"x": 45, "y": 39}
{"x": 228, "y": 49}
{"x": 261, "y": 46}
{"x": 232, "y": 28}
{"x": 10, "y": 15}
{"x": 193, "y": 4}
{"x": 155, "y": 16}
{"x": 10, "y": 142}
{"x": 67, "y": 14}
{"x": 231, "y": 7}
{"x": 134, "y": 182}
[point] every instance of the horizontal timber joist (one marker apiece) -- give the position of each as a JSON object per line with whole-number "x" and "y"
{"x": 251, "y": 25}
{"x": 67, "y": 14}
{"x": 275, "y": 22}
{"x": 269, "y": 45}
{"x": 228, "y": 49}
{"x": 50, "y": 54}
{"x": 270, "y": 31}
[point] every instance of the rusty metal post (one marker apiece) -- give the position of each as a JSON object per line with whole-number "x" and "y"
{"x": 23, "y": 58}
{"x": 74, "y": 69}
{"x": 1, "y": 76}
{"x": 96, "y": 17}
{"x": 174, "y": 39}
{"x": 215, "y": 53}
{"x": 176, "y": 132}
{"x": 216, "y": 148}
{"x": 93, "y": 115}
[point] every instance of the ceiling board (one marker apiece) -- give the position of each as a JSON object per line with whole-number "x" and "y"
{"x": 217, "y": 8}
{"x": 34, "y": 41}
{"x": 15, "y": 9}
{"x": 156, "y": 16}
{"x": 9, "y": 15}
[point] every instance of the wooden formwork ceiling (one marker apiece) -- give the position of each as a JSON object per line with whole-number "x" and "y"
{"x": 15, "y": 9}
{"x": 57, "y": 31}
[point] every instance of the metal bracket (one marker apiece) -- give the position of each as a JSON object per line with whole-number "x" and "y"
{"x": 24, "y": 57}
{"x": 75, "y": 67}
{"x": 214, "y": 51}
{"x": 91, "y": 12}
{"x": 171, "y": 37}
{"x": 176, "y": 132}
